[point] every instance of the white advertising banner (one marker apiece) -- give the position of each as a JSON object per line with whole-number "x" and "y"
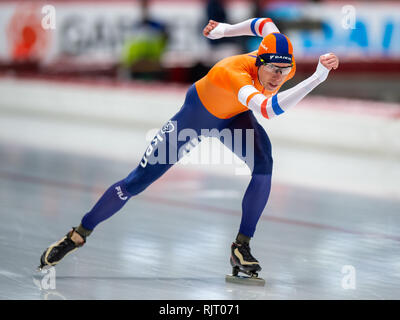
{"x": 95, "y": 31}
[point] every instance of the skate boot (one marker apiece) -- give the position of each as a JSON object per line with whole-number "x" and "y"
{"x": 58, "y": 250}
{"x": 242, "y": 261}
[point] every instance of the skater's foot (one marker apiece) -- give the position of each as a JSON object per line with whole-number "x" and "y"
{"x": 242, "y": 259}
{"x": 58, "y": 250}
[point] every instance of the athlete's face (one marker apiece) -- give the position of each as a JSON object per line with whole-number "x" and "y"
{"x": 272, "y": 75}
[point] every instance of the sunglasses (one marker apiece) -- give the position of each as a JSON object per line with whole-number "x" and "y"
{"x": 275, "y": 69}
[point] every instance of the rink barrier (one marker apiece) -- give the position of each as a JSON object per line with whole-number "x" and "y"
{"x": 318, "y": 122}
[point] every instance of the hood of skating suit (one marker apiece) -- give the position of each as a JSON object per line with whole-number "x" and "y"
{"x": 274, "y": 48}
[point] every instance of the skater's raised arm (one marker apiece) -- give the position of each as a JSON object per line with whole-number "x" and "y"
{"x": 279, "y": 103}
{"x": 252, "y": 27}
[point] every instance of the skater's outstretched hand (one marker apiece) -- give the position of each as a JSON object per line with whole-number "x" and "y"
{"x": 329, "y": 61}
{"x": 214, "y": 30}
{"x": 326, "y": 63}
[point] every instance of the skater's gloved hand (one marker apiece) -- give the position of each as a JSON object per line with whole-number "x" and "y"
{"x": 214, "y": 30}
{"x": 326, "y": 63}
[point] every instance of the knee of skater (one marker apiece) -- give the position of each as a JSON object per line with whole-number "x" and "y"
{"x": 133, "y": 185}
{"x": 262, "y": 176}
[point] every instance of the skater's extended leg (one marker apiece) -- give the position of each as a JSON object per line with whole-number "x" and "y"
{"x": 110, "y": 202}
{"x": 164, "y": 150}
{"x": 119, "y": 193}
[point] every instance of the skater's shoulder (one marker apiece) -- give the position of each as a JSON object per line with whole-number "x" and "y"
{"x": 236, "y": 66}
{"x": 238, "y": 61}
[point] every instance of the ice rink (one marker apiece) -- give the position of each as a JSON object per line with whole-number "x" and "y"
{"x": 330, "y": 229}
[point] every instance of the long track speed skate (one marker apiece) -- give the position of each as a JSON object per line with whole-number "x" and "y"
{"x": 242, "y": 261}
{"x": 58, "y": 250}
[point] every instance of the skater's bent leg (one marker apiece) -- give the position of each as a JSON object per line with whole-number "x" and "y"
{"x": 253, "y": 204}
{"x": 258, "y": 190}
{"x": 257, "y": 194}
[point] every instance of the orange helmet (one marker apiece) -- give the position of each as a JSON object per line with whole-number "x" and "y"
{"x": 275, "y": 47}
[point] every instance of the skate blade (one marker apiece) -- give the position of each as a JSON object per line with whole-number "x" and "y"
{"x": 254, "y": 281}
{"x": 45, "y": 267}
